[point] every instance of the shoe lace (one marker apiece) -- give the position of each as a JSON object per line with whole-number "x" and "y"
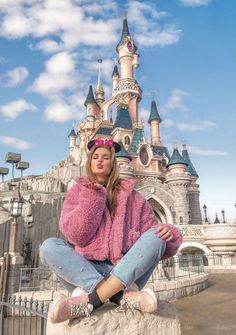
{"x": 128, "y": 306}
{"x": 79, "y": 310}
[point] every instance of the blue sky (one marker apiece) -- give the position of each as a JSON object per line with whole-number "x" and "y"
{"x": 48, "y": 57}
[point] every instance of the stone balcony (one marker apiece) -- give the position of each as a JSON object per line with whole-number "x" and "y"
{"x": 217, "y": 237}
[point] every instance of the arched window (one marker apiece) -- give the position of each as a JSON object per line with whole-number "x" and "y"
{"x": 127, "y": 140}
{"x": 181, "y": 221}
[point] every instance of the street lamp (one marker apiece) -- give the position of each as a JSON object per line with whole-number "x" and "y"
{"x": 205, "y": 213}
{"x": 16, "y": 211}
{"x": 223, "y": 215}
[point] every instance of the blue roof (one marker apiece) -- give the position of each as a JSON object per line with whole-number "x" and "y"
{"x": 125, "y": 33}
{"x": 123, "y": 119}
{"x": 154, "y": 115}
{"x": 176, "y": 158}
{"x": 115, "y": 71}
{"x": 190, "y": 167}
{"x": 72, "y": 133}
{"x": 104, "y": 131}
{"x": 159, "y": 150}
{"x": 123, "y": 152}
{"x": 137, "y": 138}
{"x": 90, "y": 97}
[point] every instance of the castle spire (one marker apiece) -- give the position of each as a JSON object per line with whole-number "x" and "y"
{"x": 99, "y": 89}
{"x": 154, "y": 121}
{"x": 190, "y": 167}
{"x": 176, "y": 158}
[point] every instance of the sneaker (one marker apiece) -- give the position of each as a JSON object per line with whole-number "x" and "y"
{"x": 65, "y": 308}
{"x": 144, "y": 301}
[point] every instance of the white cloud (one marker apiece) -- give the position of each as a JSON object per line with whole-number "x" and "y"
{"x": 82, "y": 23}
{"x": 2, "y": 60}
{"x": 60, "y": 111}
{"x": 59, "y": 75}
{"x": 175, "y": 101}
{"x": 14, "y": 77}
{"x": 14, "y": 108}
{"x": 145, "y": 18}
{"x": 203, "y": 125}
{"x": 167, "y": 123}
{"x": 48, "y": 46}
{"x": 16, "y": 142}
{"x": 195, "y": 3}
{"x": 206, "y": 152}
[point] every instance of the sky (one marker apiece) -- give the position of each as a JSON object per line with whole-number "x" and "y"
{"x": 48, "y": 57}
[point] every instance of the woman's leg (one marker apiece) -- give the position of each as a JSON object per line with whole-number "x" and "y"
{"x": 136, "y": 266}
{"x": 73, "y": 269}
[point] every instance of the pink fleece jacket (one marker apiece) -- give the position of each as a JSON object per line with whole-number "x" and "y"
{"x": 86, "y": 222}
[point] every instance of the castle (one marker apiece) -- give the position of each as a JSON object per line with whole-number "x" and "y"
{"x": 168, "y": 182}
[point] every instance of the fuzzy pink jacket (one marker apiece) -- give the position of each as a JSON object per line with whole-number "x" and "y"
{"x": 86, "y": 222}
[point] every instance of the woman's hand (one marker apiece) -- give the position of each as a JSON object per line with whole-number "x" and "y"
{"x": 164, "y": 233}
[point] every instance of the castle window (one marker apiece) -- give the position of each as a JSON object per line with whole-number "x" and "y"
{"x": 163, "y": 162}
{"x": 181, "y": 221}
{"x": 127, "y": 140}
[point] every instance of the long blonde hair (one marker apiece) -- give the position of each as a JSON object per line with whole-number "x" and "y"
{"x": 112, "y": 183}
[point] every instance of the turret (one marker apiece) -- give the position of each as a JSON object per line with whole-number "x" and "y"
{"x": 91, "y": 104}
{"x": 176, "y": 163}
{"x": 190, "y": 168}
{"x": 72, "y": 140}
{"x": 154, "y": 121}
{"x": 115, "y": 77}
{"x": 179, "y": 181}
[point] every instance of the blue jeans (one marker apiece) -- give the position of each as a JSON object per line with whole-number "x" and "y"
{"x": 74, "y": 270}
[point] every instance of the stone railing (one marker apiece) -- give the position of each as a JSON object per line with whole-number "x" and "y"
{"x": 208, "y": 231}
{"x": 217, "y": 237}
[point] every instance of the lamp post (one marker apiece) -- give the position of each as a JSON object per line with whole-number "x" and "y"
{"x": 223, "y": 215}
{"x": 205, "y": 213}
{"x": 16, "y": 211}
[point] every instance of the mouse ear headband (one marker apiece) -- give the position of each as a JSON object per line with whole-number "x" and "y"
{"x": 106, "y": 142}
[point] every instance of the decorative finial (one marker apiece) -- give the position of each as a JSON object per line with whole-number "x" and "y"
{"x": 125, "y": 14}
{"x": 153, "y": 93}
{"x": 99, "y": 70}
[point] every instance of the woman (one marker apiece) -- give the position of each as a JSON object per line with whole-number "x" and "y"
{"x": 113, "y": 238}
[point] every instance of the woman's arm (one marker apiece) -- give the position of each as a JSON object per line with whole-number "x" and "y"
{"x": 82, "y": 212}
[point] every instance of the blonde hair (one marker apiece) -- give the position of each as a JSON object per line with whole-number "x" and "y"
{"x": 112, "y": 183}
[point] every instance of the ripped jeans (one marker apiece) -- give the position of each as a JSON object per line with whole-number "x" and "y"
{"x": 74, "y": 270}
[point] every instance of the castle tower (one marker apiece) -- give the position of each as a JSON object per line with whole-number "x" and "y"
{"x": 193, "y": 196}
{"x": 91, "y": 104}
{"x": 179, "y": 181}
{"x": 115, "y": 77}
{"x": 127, "y": 91}
{"x": 99, "y": 89}
{"x": 123, "y": 160}
{"x": 154, "y": 121}
{"x": 72, "y": 141}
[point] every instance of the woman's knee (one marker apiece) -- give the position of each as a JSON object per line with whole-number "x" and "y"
{"x": 158, "y": 243}
{"x": 47, "y": 247}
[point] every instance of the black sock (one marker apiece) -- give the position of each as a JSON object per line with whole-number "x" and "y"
{"x": 95, "y": 300}
{"x": 116, "y": 298}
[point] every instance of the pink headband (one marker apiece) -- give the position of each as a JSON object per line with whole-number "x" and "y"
{"x": 104, "y": 141}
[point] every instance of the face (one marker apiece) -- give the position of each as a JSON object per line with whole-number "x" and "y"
{"x": 101, "y": 163}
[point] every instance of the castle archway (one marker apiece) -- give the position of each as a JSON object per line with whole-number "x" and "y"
{"x": 162, "y": 212}
{"x": 194, "y": 248}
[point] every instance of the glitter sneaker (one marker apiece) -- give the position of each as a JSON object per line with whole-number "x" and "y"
{"x": 144, "y": 301}
{"x": 65, "y": 308}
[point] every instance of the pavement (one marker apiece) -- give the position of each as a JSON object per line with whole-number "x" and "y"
{"x": 212, "y": 311}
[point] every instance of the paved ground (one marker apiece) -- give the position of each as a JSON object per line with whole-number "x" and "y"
{"x": 212, "y": 311}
